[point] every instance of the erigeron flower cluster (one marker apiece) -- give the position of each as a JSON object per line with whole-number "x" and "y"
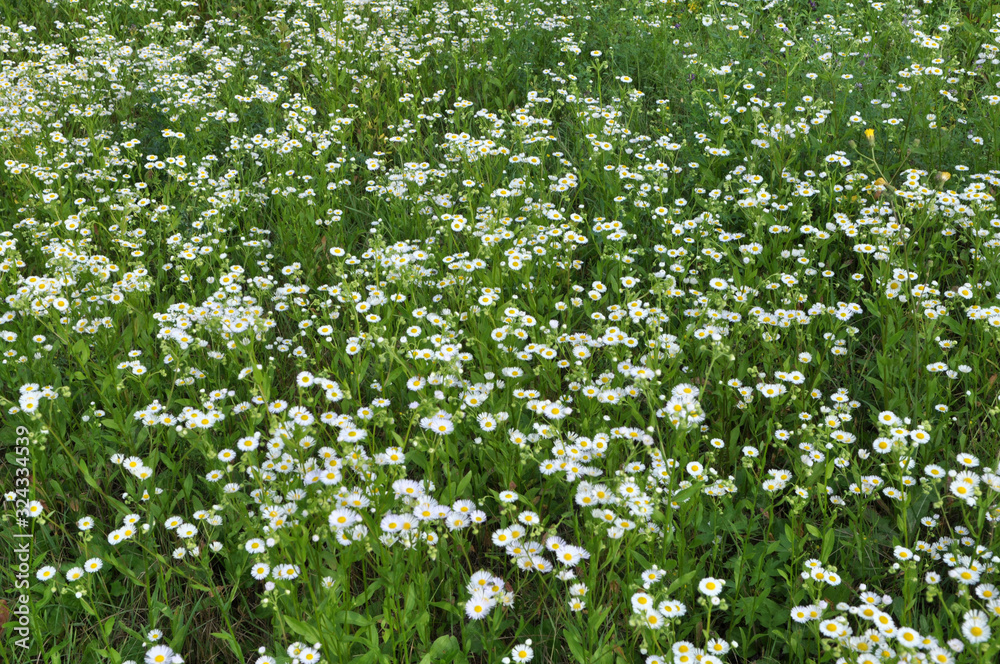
{"x": 354, "y": 324}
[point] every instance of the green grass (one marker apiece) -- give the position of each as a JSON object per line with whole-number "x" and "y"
{"x": 710, "y": 289}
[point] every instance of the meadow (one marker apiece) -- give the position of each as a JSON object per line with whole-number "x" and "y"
{"x": 492, "y": 331}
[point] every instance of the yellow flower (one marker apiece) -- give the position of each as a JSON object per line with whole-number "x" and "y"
{"x": 870, "y": 135}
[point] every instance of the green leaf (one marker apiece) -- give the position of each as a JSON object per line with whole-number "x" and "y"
{"x": 573, "y": 641}
{"x": 303, "y": 629}
{"x": 352, "y": 618}
{"x": 919, "y": 508}
{"x": 418, "y": 458}
{"x": 828, "y": 541}
{"x": 87, "y": 477}
{"x": 895, "y": 339}
{"x": 81, "y": 351}
{"x": 110, "y": 654}
{"x": 681, "y": 581}
{"x": 367, "y": 594}
{"x": 233, "y": 645}
{"x": 444, "y": 649}
{"x": 449, "y": 608}
{"x": 463, "y": 485}
{"x": 876, "y": 382}
{"x": 636, "y": 556}
{"x": 953, "y": 325}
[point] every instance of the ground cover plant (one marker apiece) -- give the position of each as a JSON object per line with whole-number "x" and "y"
{"x": 499, "y": 331}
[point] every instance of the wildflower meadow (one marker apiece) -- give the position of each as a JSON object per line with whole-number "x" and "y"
{"x": 493, "y": 331}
